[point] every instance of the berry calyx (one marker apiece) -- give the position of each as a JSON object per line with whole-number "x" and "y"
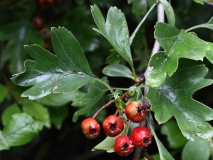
{"x": 141, "y": 136}
{"x": 90, "y": 127}
{"x": 123, "y": 145}
{"x": 113, "y": 125}
{"x": 37, "y": 23}
{"x": 136, "y": 112}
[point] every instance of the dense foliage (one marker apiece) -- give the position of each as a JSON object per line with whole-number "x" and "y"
{"x": 62, "y": 60}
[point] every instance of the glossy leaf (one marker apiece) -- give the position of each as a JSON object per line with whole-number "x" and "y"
{"x": 169, "y": 12}
{"x": 196, "y": 150}
{"x": 3, "y": 143}
{"x": 114, "y": 58}
{"x": 107, "y": 144}
{"x": 173, "y": 98}
{"x": 209, "y": 53}
{"x": 37, "y": 111}
{"x": 8, "y": 112}
{"x": 64, "y": 72}
{"x": 88, "y": 100}
{"x": 118, "y": 70}
{"x": 21, "y": 129}
{"x": 177, "y": 44}
{"x": 174, "y": 136}
{"x": 57, "y": 115}
{"x": 56, "y": 100}
{"x": 201, "y": 1}
{"x": 139, "y": 7}
{"x": 164, "y": 154}
{"x": 130, "y": 1}
{"x": 115, "y": 30}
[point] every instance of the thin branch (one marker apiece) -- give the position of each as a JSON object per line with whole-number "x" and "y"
{"x": 140, "y": 24}
{"x": 104, "y": 106}
{"x": 125, "y": 96}
{"x": 9, "y": 87}
{"x": 156, "y": 48}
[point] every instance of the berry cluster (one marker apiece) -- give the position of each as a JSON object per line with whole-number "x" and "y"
{"x": 38, "y": 23}
{"x": 113, "y": 126}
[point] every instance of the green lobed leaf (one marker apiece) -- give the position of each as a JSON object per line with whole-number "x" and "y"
{"x": 130, "y": 1}
{"x": 139, "y": 7}
{"x": 3, "y": 92}
{"x": 177, "y": 44}
{"x": 114, "y": 58}
{"x": 173, "y": 98}
{"x": 57, "y": 99}
{"x": 8, "y": 112}
{"x": 107, "y": 144}
{"x": 209, "y": 53}
{"x": 115, "y": 30}
{"x": 201, "y": 1}
{"x": 57, "y": 115}
{"x": 87, "y": 100}
{"x": 169, "y": 12}
{"x": 21, "y": 129}
{"x": 118, "y": 70}
{"x": 138, "y": 42}
{"x": 64, "y": 72}
{"x": 164, "y": 154}
{"x": 38, "y": 111}
{"x": 174, "y": 136}
{"x": 196, "y": 150}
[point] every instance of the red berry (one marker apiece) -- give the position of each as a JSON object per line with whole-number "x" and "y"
{"x": 123, "y": 145}
{"x": 47, "y": 45}
{"x": 90, "y": 127}
{"x": 136, "y": 112}
{"x": 113, "y": 125}
{"x": 42, "y": 2}
{"x": 141, "y": 136}
{"x": 45, "y": 32}
{"x": 38, "y": 23}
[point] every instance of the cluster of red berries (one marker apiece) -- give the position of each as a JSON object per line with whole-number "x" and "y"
{"x": 38, "y": 23}
{"x": 113, "y": 126}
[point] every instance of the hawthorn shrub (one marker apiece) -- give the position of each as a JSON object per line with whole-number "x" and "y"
{"x": 147, "y": 98}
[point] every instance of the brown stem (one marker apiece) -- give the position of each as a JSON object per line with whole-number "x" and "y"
{"x": 10, "y": 89}
{"x": 146, "y": 154}
{"x": 104, "y": 106}
{"x": 156, "y": 48}
{"x": 124, "y": 96}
